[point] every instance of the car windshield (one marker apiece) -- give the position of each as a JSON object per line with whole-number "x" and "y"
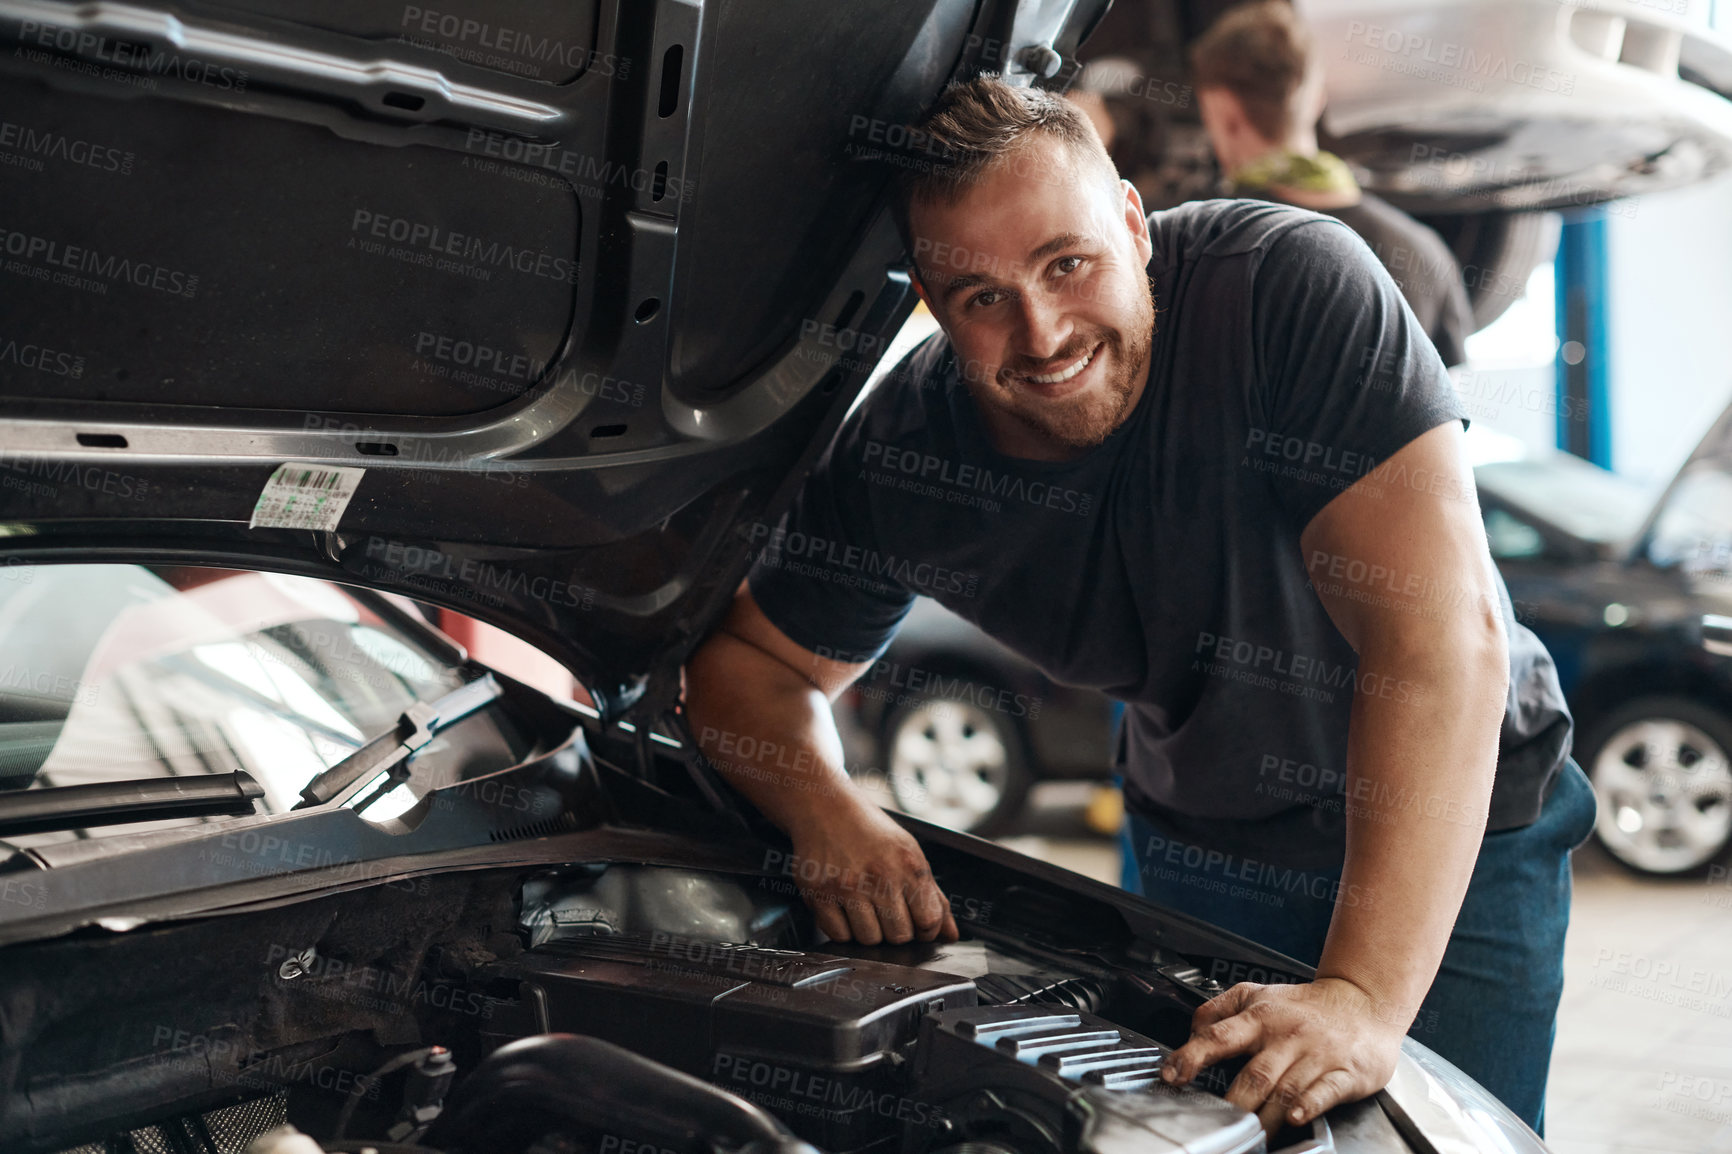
{"x": 1582, "y": 499}
{"x": 1694, "y": 529}
{"x": 113, "y": 672}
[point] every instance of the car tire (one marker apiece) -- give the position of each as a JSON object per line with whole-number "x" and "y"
{"x": 955, "y": 764}
{"x": 1661, "y": 768}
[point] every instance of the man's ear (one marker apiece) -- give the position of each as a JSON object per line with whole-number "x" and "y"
{"x": 1137, "y": 221}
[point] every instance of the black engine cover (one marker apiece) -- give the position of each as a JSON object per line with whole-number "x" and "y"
{"x": 815, "y": 1038}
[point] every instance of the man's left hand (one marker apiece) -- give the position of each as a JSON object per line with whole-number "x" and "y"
{"x": 1313, "y": 1046}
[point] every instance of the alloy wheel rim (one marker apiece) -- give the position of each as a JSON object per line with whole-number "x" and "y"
{"x": 1665, "y": 795}
{"x": 948, "y": 763}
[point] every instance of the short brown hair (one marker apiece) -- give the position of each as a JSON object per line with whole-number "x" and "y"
{"x": 1260, "y": 52}
{"x": 977, "y": 124}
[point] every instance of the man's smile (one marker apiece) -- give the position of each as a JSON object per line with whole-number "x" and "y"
{"x": 1064, "y": 378}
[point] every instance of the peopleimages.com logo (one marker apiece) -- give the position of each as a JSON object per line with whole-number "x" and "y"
{"x": 839, "y": 562}
{"x": 46, "y": 144}
{"x": 41, "y": 358}
{"x": 593, "y": 171}
{"x": 108, "y": 266}
{"x": 437, "y": 241}
{"x": 964, "y": 478}
{"x": 496, "y": 45}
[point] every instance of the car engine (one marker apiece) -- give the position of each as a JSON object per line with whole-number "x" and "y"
{"x": 623, "y": 1009}
{"x": 640, "y": 976}
{"x": 853, "y": 1052}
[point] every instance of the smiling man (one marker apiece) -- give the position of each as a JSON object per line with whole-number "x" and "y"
{"x": 1207, "y": 462}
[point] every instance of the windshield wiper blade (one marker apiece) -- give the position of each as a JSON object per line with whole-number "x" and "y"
{"x": 121, "y": 802}
{"x": 392, "y": 749}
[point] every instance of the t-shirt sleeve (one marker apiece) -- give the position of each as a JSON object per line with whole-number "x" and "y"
{"x": 1347, "y": 375}
{"x": 812, "y": 574}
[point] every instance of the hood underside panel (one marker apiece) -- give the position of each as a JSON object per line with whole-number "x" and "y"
{"x": 566, "y": 286}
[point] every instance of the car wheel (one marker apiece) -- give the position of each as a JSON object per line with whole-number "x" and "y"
{"x": 1662, "y": 772}
{"x": 956, "y": 764}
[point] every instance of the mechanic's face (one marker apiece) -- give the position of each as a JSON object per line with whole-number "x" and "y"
{"x": 1037, "y": 276}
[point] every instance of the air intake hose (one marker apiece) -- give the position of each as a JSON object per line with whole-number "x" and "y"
{"x": 553, "y": 1081}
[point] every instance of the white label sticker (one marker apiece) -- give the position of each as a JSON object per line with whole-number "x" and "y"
{"x": 302, "y": 496}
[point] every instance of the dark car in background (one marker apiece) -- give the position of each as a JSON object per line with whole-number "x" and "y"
{"x": 958, "y": 728}
{"x": 1631, "y": 595}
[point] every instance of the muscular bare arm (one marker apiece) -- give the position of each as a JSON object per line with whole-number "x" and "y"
{"x": 863, "y": 875}
{"x": 1400, "y": 563}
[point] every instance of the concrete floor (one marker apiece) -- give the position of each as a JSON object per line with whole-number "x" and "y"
{"x": 1643, "y": 1060}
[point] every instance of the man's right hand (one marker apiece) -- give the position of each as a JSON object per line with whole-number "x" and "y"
{"x": 865, "y": 878}
{"x": 863, "y": 875}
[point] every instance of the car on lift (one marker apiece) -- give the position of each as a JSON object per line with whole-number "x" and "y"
{"x": 1484, "y": 122}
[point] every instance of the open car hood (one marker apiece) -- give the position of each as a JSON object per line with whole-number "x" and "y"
{"x": 535, "y": 312}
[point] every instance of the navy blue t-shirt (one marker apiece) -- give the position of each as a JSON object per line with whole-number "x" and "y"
{"x": 1163, "y": 567}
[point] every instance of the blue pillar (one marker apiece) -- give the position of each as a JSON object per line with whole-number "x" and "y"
{"x": 1583, "y": 362}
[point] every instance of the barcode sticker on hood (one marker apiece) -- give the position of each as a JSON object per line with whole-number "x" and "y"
{"x": 302, "y": 496}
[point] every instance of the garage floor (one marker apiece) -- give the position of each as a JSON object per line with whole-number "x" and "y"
{"x": 1643, "y": 1060}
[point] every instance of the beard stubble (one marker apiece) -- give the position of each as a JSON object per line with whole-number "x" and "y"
{"x": 1084, "y": 421}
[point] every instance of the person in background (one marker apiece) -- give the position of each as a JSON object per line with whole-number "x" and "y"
{"x": 1259, "y": 88}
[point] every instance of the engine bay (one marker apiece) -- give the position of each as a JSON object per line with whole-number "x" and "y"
{"x": 954, "y": 1043}
{"x": 486, "y": 1011}
{"x": 647, "y": 983}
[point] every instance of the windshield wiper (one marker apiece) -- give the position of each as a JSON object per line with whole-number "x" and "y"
{"x": 121, "y": 802}
{"x": 391, "y": 750}
{"x": 232, "y": 794}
